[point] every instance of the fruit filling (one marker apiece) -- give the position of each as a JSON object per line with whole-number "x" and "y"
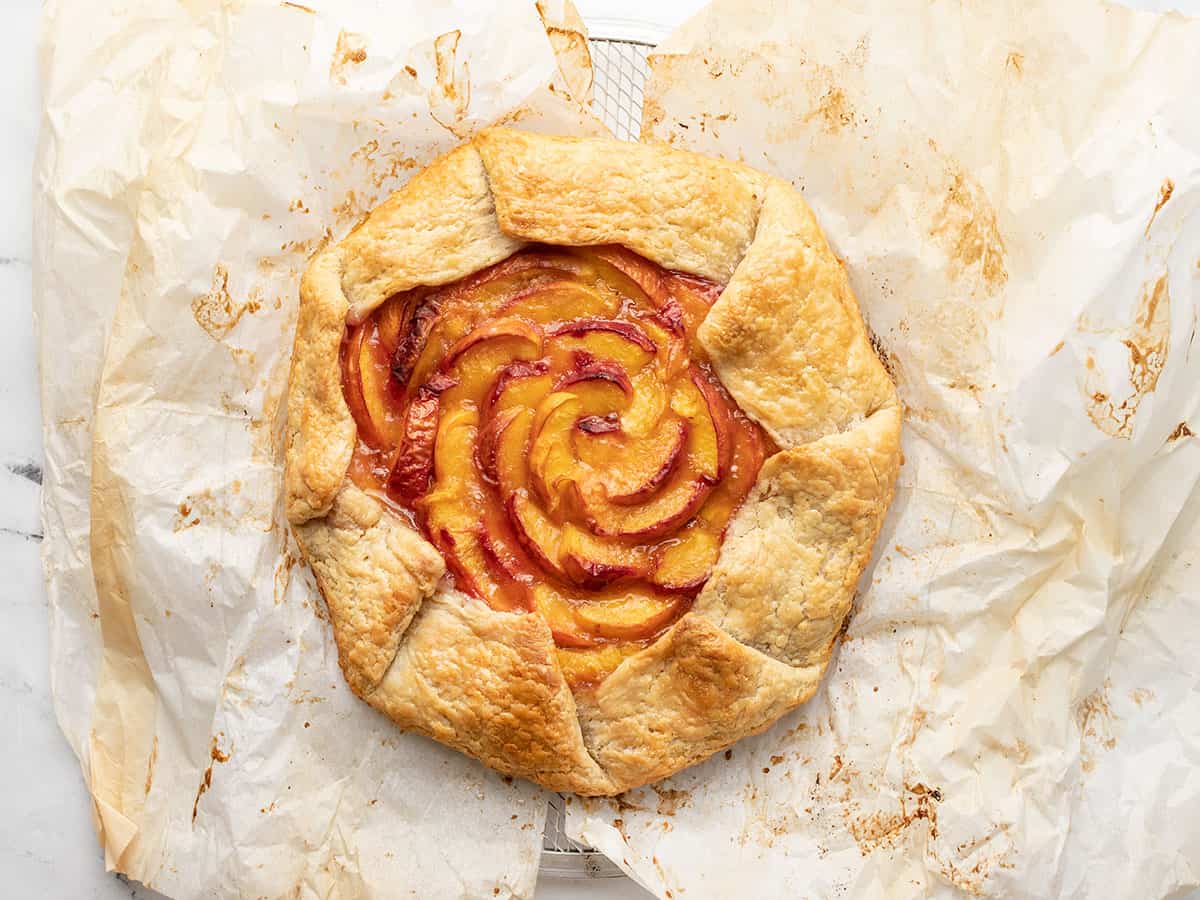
{"x": 552, "y": 426}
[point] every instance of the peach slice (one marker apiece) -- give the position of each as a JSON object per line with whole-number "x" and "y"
{"x": 485, "y": 450}
{"x": 353, "y": 387}
{"x": 647, "y": 276}
{"x": 674, "y": 505}
{"x": 650, "y": 400}
{"x": 498, "y": 329}
{"x": 624, "y": 342}
{"x": 749, "y": 448}
{"x": 672, "y": 358}
{"x": 592, "y": 562}
{"x": 605, "y": 424}
{"x": 700, "y": 291}
{"x": 373, "y": 397}
{"x": 558, "y": 612}
{"x": 584, "y": 669}
{"x": 511, "y": 455}
{"x": 630, "y": 471}
{"x": 547, "y": 301}
{"x": 686, "y": 564}
{"x": 416, "y": 318}
{"x": 392, "y": 320}
{"x": 456, "y": 548}
{"x": 550, "y": 460}
{"x": 445, "y": 329}
{"x": 467, "y": 560}
{"x": 628, "y": 330}
{"x": 671, "y": 314}
{"x": 501, "y": 548}
{"x": 449, "y": 511}
{"x": 597, "y": 397}
{"x": 632, "y": 616}
{"x": 409, "y": 478}
{"x": 704, "y": 442}
{"x": 585, "y": 367}
{"x": 517, "y": 271}
{"x": 540, "y": 537}
{"x": 475, "y": 357}
{"x": 505, "y": 562}
{"x": 520, "y": 383}
{"x": 454, "y": 476}
{"x": 721, "y": 416}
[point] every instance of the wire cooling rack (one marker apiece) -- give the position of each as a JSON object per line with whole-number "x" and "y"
{"x": 619, "y": 68}
{"x": 565, "y": 858}
{"x": 619, "y": 71}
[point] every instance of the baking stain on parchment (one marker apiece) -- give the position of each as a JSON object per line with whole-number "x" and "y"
{"x": 306, "y": 249}
{"x": 268, "y": 429}
{"x": 1141, "y": 696}
{"x": 571, "y": 50}
{"x": 353, "y": 207}
{"x": 150, "y": 765}
{"x": 855, "y": 800}
{"x": 283, "y": 570}
{"x": 966, "y": 228}
{"x": 670, "y": 801}
{"x": 976, "y": 858}
{"x": 450, "y": 96}
{"x": 1146, "y": 341}
{"x": 226, "y": 508}
{"x": 404, "y": 83}
{"x": 833, "y": 110}
{"x": 1181, "y": 431}
{"x": 350, "y": 51}
{"x": 216, "y": 755}
{"x": 1164, "y": 194}
{"x": 217, "y": 312}
{"x": 883, "y": 829}
{"x": 889, "y": 360}
{"x": 382, "y": 164}
{"x": 1095, "y": 719}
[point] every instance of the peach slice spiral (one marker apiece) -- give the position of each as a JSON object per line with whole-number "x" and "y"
{"x": 551, "y": 425}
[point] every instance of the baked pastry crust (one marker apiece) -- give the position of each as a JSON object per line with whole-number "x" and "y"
{"x": 786, "y": 339}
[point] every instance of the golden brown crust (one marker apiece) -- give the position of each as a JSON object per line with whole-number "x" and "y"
{"x": 786, "y": 339}
{"x": 693, "y": 692}
{"x": 320, "y": 429}
{"x": 681, "y": 210}
{"x": 488, "y": 684}
{"x": 373, "y": 571}
{"x": 786, "y": 336}
{"x": 793, "y": 554}
{"x": 440, "y": 227}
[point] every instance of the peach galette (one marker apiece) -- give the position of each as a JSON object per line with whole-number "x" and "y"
{"x": 587, "y": 448}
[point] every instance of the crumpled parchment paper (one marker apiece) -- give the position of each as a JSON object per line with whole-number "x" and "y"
{"x": 192, "y": 157}
{"x": 1014, "y": 188}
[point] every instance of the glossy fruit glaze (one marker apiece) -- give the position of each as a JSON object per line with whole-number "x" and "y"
{"x": 552, "y": 426}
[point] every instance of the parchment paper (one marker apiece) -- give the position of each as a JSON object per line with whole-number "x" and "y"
{"x": 1014, "y": 709}
{"x": 193, "y": 156}
{"x": 1014, "y": 189}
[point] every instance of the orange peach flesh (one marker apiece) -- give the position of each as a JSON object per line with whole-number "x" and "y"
{"x": 553, "y": 427}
